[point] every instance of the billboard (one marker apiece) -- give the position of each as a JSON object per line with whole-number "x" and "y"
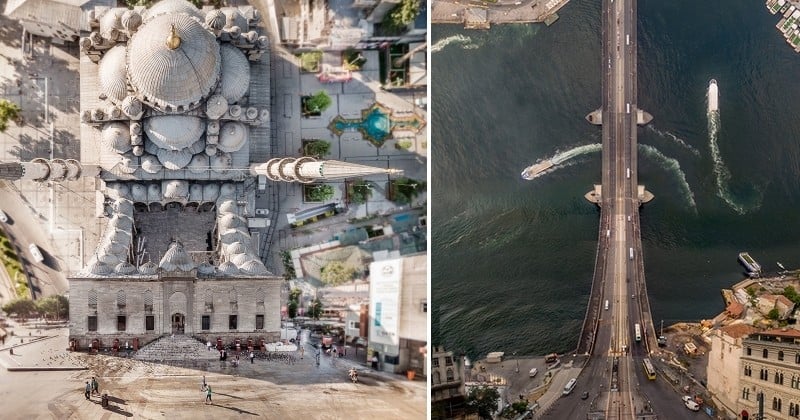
{"x": 384, "y": 308}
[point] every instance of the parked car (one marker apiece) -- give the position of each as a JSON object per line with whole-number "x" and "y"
{"x": 3, "y": 217}
{"x": 689, "y": 402}
{"x": 35, "y": 253}
{"x": 533, "y": 372}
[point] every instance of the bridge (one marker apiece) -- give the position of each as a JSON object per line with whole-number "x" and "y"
{"x": 613, "y": 374}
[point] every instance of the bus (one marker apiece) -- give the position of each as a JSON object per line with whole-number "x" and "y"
{"x": 649, "y": 370}
{"x": 570, "y": 386}
{"x": 638, "y": 330}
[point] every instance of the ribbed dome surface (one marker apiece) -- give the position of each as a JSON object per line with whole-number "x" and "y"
{"x": 125, "y": 268}
{"x": 254, "y": 267}
{"x": 174, "y": 159}
{"x": 112, "y": 74}
{"x": 235, "y": 248}
{"x": 175, "y": 189}
{"x": 132, "y": 107}
{"x": 151, "y": 165}
{"x": 198, "y": 164}
{"x": 99, "y": 268}
{"x": 131, "y": 20}
{"x": 176, "y": 258}
{"x": 148, "y": 268}
{"x": 172, "y": 78}
{"x": 206, "y": 268}
{"x": 116, "y": 137}
{"x": 110, "y": 22}
{"x": 217, "y": 105}
{"x": 235, "y": 73}
{"x": 172, "y": 6}
{"x": 173, "y": 132}
{"x": 139, "y": 193}
{"x": 231, "y": 221}
{"x": 232, "y": 136}
{"x": 215, "y": 19}
{"x": 228, "y": 268}
{"x": 234, "y": 235}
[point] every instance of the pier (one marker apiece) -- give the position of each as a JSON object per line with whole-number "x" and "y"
{"x": 482, "y": 15}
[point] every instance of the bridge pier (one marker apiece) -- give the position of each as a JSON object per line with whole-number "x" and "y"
{"x": 596, "y": 117}
{"x": 595, "y": 196}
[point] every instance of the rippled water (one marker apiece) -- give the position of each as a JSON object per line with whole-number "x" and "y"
{"x": 513, "y": 259}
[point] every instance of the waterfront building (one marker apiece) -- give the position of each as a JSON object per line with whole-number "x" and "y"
{"x": 724, "y": 359}
{"x": 766, "y": 303}
{"x": 447, "y": 383}
{"x": 398, "y": 318}
{"x": 770, "y": 366}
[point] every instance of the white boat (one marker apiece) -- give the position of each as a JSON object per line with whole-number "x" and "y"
{"x": 531, "y": 171}
{"x": 713, "y": 96}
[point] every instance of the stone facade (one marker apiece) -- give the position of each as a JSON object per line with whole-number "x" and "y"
{"x": 723, "y": 364}
{"x": 770, "y": 365}
{"x": 176, "y": 305}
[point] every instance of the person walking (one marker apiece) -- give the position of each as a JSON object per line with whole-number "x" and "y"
{"x": 208, "y": 394}
{"x": 302, "y": 350}
{"x": 87, "y": 390}
{"x": 252, "y": 357}
{"x": 95, "y": 386}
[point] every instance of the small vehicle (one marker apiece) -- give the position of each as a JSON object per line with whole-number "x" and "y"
{"x": 3, "y": 217}
{"x": 533, "y": 372}
{"x": 353, "y": 374}
{"x": 35, "y": 253}
{"x": 585, "y": 395}
{"x": 691, "y": 405}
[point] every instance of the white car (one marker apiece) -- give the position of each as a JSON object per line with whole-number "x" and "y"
{"x": 690, "y": 403}
{"x": 3, "y": 217}
{"x": 35, "y": 253}
{"x": 533, "y": 372}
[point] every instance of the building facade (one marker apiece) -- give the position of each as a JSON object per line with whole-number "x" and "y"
{"x": 770, "y": 368}
{"x": 724, "y": 359}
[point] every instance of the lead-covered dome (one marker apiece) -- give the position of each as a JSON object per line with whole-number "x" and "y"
{"x": 173, "y": 132}
{"x": 112, "y": 74}
{"x": 116, "y": 137}
{"x": 172, "y": 6}
{"x": 173, "y": 61}
{"x": 235, "y": 73}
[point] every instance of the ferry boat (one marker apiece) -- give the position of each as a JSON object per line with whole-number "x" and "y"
{"x": 781, "y": 266}
{"x": 751, "y": 264}
{"x": 531, "y": 171}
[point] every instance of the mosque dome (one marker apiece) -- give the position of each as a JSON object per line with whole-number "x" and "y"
{"x": 175, "y": 189}
{"x": 99, "y": 268}
{"x": 215, "y": 19}
{"x": 210, "y": 192}
{"x": 231, "y": 221}
{"x": 235, "y": 73}
{"x": 116, "y": 137}
{"x": 253, "y": 267}
{"x": 172, "y": 6}
{"x": 110, "y": 24}
{"x": 228, "y": 268}
{"x": 206, "y": 268}
{"x": 131, "y": 20}
{"x": 217, "y": 105}
{"x": 232, "y": 136}
{"x": 112, "y": 74}
{"x": 235, "y": 248}
{"x": 154, "y": 193}
{"x": 148, "y": 268}
{"x": 132, "y": 107}
{"x": 226, "y": 206}
{"x": 125, "y": 268}
{"x": 176, "y": 258}
{"x": 174, "y": 159}
{"x": 173, "y": 62}
{"x": 227, "y": 189}
{"x": 198, "y": 164}
{"x": 139, "y": 193}
{"x": 151, "y": 165}
{"x": 173, "y": 132}
{"x": 221, "y": 161}
{"x": 195, "y": 192}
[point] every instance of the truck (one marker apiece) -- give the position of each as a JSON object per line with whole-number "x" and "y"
{"x": 289, "y": 334}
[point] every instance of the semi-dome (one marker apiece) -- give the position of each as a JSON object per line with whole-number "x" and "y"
{"x": 173, "y": 132}
{"x": 231, "y": 221}
{"x": 235, "y": 248}
{"x": 210, "y": 192}
{"x": 215, "y": 19}
{"x": 234, "y": 235}
{"x": 110, "y": 23}
{"x": 150, "y": 164}
{"x": 139, "y": 193}
{"x": 235, "y": 73}
{"x": 174, "y": 159}
{"x": 173, "y": 62}
{"x": 172, "y": 6}
{"x": 221, "y": 162}
{"x": 175, "y": 189}
{"x": 113, "y": 74}
{"x": 195, "y": 192}
{"x": 228, "y": 268}
{"x": 116, "y": 137}
{"x": 232, "y": 136}
{"x": 240, "y": 259}
{"x": 198, "y": 146}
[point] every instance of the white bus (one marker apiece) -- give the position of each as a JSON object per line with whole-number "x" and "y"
{"x": 638, "y": 330}
{"x": 627, "y": 40}
{"x": 630, "y": 252}
{"x": 570, "y": 386}
{"x": 629, "y": 173}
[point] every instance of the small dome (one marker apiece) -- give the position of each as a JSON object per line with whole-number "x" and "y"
{"x": 139, "y": 192}
{"x": 235, "y": 73}
{"x": 250, "y": 36}
{"x": 175, "y": 189}
{"x": 176, "y": 258}
{"x": 206, "y": 268}
{"x": 121, "y": 222}
{"x": 210, "y": 192}
{"x": 254, "y": 267}
{"x": 148, "y": 268}
{"x": 99, "y": 268}
{"x": 132, "y": 107}
{"x": 211, "y": 149}
{"x": 110, "y": 24}
{"x": 173, "y": 132}
{"x": 234, "y": 235}
{"x": 131, "y": 20}
{"x": 154, "y": 193}
{"x": 235, "y": 111}
{"x": 151, "y": 165}
{"x": 240, "y": 259}
{"x": 235, "y": 248}
{"x": 197, "y": 147}
{"x": 138, "y": 150}
{"x": 127, "y": 164}
{"x": 215, "y": 19}
{"x": 113, "y": 112}
{"x": 195, "y": 192}
{"x": 213, "y": 126}
{"x": 174, "y": 159}
{"x": 173, "y": 78}
{"x": 217, "y": 105}
{"x": 125, "y": 268}
{"x": 113, "y": 74}
{"x": 227, "y": 206}
{"x": 172, "y": 6}
{"x": 262, "y": 42}
{"x": 221, "y": 162}
{"x": 151, "y": 147}
{"x": 234, "y": 31}
{"x": 232, "y": 137}
{"x": 234, "y": 18}
{"x": 110, "y": 260}
{"x": 116, "y": 137}
{"x": 198, "y": 164}
{"x": 227, "y": 189}
{"x": 117, "y": 190}
{"x": 228, "y": 268}
{"x": 231, "y": 221}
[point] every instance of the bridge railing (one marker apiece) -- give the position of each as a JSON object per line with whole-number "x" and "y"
{"x": 591, "y": 317}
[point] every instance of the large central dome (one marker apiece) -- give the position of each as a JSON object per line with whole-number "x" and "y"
{"x": 173, "y": 69}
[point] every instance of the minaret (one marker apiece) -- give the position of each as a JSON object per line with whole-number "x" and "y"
{"x": 41, "y": 170}
{"x": 308, "y": 169}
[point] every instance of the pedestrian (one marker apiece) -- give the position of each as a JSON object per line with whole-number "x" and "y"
{"x": 252, "y": 357}
{"x": 95, "y": 386}
{"x": 334, "y": 352}
{"x": 203, "y": 388}
{"x": 87, "y": 390}
{"x": 208, "y": 394}
{"x": 302, "y": 350}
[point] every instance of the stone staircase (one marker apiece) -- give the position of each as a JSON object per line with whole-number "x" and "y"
{"x": 177, "y": 347}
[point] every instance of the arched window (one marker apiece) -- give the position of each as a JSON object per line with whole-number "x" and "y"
{"x": 93, "y": 299}
{"x": 765, "y": 353}
{"x": 749, "y": 351}
{"x": 774, "y": 403}
{"x": 779, "y": 404}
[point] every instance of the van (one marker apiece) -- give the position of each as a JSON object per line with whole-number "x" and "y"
{"x": 606, "y": 304}
{"x": 533, "y": 372}
{"x": 691, "y": 405}
{"x": 569, "y": 386}
{"x": 36, "y": 254}
{"x": 551, "y": 358}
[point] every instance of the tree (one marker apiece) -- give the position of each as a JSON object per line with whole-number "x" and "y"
{"x": 482, "y": 401}
{"x": 791, "y": 294}
{"x": 317, "y": 148}
{"x": 295, "y": 294}
{"x": 773, "y": 313}
{"x": 288, "y": 266}
{"x": 56, "y": 306}
{"x": 320, "y": 192}
{"x": 291, "y": 308}
{"x": 9, "y": 111}
{"x": 336, "y": 272}
{"x": 23, "y": 308}
{"x": 359, "y": 192}
{"x": 315, "y": 309}
{"x": 402, "y": 14}
{"x": 405, "y": 190}
{"x": 317, "y": 102}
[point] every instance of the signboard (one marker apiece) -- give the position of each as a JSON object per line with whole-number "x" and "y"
{"x": 384, "y": 305}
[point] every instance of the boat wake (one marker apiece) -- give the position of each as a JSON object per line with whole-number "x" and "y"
{"x": 672, "y": 165}
{"x": 722, "y": 175}
{"x": 560, "y": 159}
{"x": 679, "y": 141}
{"x": 465, "y": 42}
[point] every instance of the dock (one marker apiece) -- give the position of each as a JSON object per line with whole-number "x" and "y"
{"x": 482, "y": 15}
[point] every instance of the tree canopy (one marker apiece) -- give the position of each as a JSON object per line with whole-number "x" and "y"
{"x": 23, "y": 308}
{"x": 9, "y": 111}
{"x": 56, "y": 307}
{"x": 336, "y": 272}
{"x": 318, "y": 102}
{"x": 482, "y": 401}
{"x": 317, "y": 148}
{"x": 315, "y": 309}
{"x": 319, "y": 192}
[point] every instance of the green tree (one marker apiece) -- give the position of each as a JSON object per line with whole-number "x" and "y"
{"x": 317, "y": 148}
{"x": 9, "y": 111}
{"x": 317, "y": 102}
{"x": 288, "y": 266}
{"x": 773, "y": 314}
{"x": 320, "y": 192}
{"x": 295, "y": 294}
{"x": 359, "y": 192}
{"x": 23, "y": 308}
{"x": 336, "y": 272}
{"x": 56, "y": 307}
{"x": 315, "y": 309}
{"x": 405, "y": 190}
{"x": 291, "y": 308}
{"x": 791, "y": 294}
{"x": 398, "y": 18}
{"x": 482, "y": 401}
